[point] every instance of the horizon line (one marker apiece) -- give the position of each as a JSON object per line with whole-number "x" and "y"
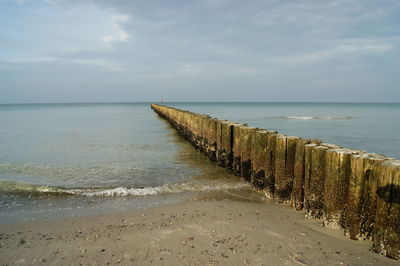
{"x": 164, "y": 102}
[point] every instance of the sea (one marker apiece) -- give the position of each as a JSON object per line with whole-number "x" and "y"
{"x": 65, "y": 160}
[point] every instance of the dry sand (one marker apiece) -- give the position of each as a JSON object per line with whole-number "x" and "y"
{"x": 190, "y": 233}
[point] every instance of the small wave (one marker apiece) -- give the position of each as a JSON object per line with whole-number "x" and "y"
{"x": 165, "y": 189}
{"x": 29, "y": 189}
{"x": 317, "y": 117}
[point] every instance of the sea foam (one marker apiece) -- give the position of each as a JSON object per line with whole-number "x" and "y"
{"x": 317, "y": 117}
{"x": 25, "y": 188}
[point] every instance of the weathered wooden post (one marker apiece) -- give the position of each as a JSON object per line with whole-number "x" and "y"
{"x": 198, "y": 131}
{"x": 225, "y": 144}
{"x": 314, "y": 180}
{"x": 246, "y": 135}
{"x": 179, "y": 121}
{"x": 338, "y": 171}
{"x": 190, "y": 128}
{"x": 211, "y": 139}
{"x": 188, "y": 116}
{"x": 284, "y": 166}
{"x": 370, "y": 194}
{"x": 270, "y": 162}
{"x": 258, "y": 158}
{"x": 203, "y": 133}
{"x": 236, "y": 150}
{"x": 362, "y": 195}
{"x": 387, "y": 227}
{"x": 297, "y": 199}
{"x": 221, "y": 151}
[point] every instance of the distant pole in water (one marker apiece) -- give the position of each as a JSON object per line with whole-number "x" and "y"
{"x": 162, "y": 100}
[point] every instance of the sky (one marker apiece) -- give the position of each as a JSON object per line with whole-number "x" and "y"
{"x": 199, "y": 50}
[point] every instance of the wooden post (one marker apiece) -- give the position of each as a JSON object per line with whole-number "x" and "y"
{"x": 221, "y": 152}
{"x": 211, "y": 139}
{"x": 236, "y": 150}
{"x": 190, "y": 128}
{"x": 314, "y": 180}
{"x": 258, "y": 158}
{"x": 297, "y": 199}
{"x": 228, "y": 145}
{"x": 338, "y": 171}
{"x": 270, "y": 162}
{"x": 246, "y": 137}
{"x": 225, "y": 144}
{"x": 203, "y": 133}
{"x": 195, "y": 130}
{"x": 387, "y": 227}
{"x": 362, "y": 198}
{"x": 369, "y": 198}
{"x": 284, "y": 166}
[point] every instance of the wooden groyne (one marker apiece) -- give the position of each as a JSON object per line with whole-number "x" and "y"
{"x": 349, "y": 189}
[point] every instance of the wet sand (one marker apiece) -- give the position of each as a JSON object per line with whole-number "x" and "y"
{"x": 211, "y": 232}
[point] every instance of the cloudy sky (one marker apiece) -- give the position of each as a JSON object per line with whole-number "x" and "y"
{"x": 199, "y": 50}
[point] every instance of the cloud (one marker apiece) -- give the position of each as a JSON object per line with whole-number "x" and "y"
{"x": 107, "y": 64}
{"x": 190, "y": 69}
{"x": 30, "y": 60}
{"x": 45, "y": 38}
{"x": 199, "y": 71}
{"x": 195, "y": 44}
{"x": 214, "y": 70}
{"x": 101, "y": 62}
{"x": 357, "y": 47}
{"x": 120, "y": 35}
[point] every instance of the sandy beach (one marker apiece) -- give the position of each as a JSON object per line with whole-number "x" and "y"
{"x": 199, "y": 132}
{"x": 201, "y": 232}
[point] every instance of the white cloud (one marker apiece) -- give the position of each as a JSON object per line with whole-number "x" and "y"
{"x": 203, "y": 71}
{"x": 356, "y": 47}
{"x": 154, "y": 76}
{"x": 378, "y": 48}
{"x": 217, "y": 70}
{"x": 120, "y": 35}
{"x": 84, "y": 40}
{"x": 100, "y": 62}
{"x": 190, "y": 69}
{"x": 30, "y": 60}
{"x": 106, "y": 64}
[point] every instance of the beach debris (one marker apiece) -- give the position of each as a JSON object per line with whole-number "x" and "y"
{"x": 22, "y": 241}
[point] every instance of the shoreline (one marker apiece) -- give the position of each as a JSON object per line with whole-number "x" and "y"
{"x": 201, "y": 232}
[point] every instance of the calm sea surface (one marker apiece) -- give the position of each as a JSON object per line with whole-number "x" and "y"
{"x": 61, "y": 160}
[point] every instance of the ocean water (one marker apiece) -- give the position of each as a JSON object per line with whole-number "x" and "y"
{"x": 62, "y": 160}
